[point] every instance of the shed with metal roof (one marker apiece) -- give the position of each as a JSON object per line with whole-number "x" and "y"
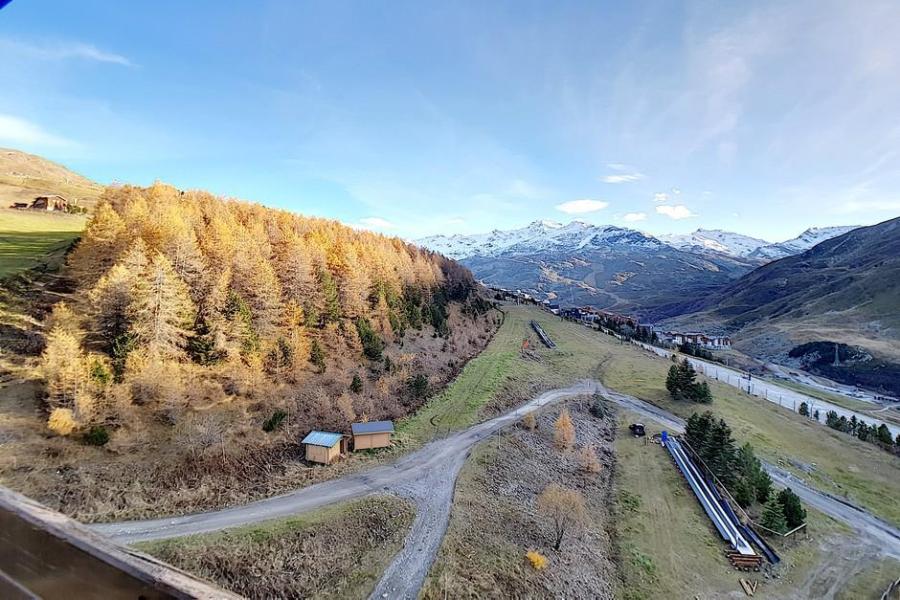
{"x": 323, "y": 446}
{"x": 373, "y": 434}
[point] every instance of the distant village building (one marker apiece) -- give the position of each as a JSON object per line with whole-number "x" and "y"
{"x": 712, "y": 342}
{"x": 323, "y": 447}
{"x": 51, "y": 203}
{"x": 374, "y": 434}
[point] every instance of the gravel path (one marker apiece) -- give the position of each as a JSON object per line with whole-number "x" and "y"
{"x": 428, "y": 477}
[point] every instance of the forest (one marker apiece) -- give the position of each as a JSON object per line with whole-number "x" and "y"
{"x": 220, "y": 328}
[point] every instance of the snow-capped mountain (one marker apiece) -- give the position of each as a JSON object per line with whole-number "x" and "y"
{"x": 801, "y": 243}
{"x": 539, "y": 236}
{"x": 715, "y": 240}
{"x": 602, "y": 265}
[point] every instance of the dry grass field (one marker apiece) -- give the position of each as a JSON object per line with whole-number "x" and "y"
{"x": 338, "y": 552}
{"x": 31, "y": 239}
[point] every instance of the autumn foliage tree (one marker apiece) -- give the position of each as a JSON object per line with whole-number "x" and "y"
{"x": 564, "y": 508}
{"x": 564, "y": 431}
{"x": 180, "y": 286}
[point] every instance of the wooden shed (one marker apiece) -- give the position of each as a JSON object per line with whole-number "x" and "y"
{"x": 375, "y": 434}
{"x": 323, "y": 447}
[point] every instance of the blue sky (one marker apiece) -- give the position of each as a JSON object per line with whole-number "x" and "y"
{"x": 435, "y": 117}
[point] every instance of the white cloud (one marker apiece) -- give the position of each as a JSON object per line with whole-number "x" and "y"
{"x": 15, "y": 131}
{"x": 626, "y": 173}
{"x": 624, "y": 178}
{"x": 376, "y": 223}
{"x": 65, "y": 50}
{"x": 679, "y": 211}
{"x": 578, "y": 207}
{"x": 634, "y": 217}
{"x": 676, "y": 191}
{"x": 660, "y": 197}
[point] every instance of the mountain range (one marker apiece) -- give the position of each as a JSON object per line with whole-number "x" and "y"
{"x": 541, "y": 235}
{"x": 615, "y": 267}
{"x": 581, "y": 263}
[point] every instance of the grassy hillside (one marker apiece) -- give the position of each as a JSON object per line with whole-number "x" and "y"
{"x": 836, "y": 462}
{"x": 190, "y": 342}
{"x": 844, "y": 290}
{"x": 31, "y": 239}
{"x": 24, "y": 176}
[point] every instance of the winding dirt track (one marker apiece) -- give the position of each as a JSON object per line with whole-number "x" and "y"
{"x": 428, "y": 477}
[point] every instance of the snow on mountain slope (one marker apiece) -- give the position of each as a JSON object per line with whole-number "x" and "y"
{"x": 801, "y": 243}
{"x": 538, "y": 236}
{"x": 716, "y": 240}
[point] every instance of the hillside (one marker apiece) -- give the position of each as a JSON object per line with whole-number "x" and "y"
{"x": 845, "y": 289}
{"x": 580, "y": 263}
{"x": 24, "y": 176}
{"x": 198, "y": 339}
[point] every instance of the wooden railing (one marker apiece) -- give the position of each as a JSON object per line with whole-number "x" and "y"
{"x": 44, "y": 554}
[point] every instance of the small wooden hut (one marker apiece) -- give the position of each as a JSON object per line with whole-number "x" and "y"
{"x": 374, "y": 434}
{"x": 322, "y": 446}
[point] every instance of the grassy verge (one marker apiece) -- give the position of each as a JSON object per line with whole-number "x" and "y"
{"x": 667, "y": 546}
{"x": 495, "y": 521}
{"x": 336, "y": 552}
{"x": 501, "y": 374}
{"x": 831, "y": 460}
{"x": 29, "y": 239}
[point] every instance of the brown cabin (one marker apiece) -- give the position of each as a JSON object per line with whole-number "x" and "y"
{"x": 323, "y": 447}
{"x": 51, "y": 202}
{"x": 374, "y": 434}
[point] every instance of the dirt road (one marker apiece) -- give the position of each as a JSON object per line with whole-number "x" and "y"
{"x": 428, "y": 476}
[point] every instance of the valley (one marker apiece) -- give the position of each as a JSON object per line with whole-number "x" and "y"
{"x": 370, "y": 301}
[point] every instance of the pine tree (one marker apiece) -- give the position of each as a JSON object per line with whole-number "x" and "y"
{"x": 161, "y": 310}
{"x": 110, "y": 299}
{"x": 62, "y": 367}
{"x": 794, "y": 514}
{"x": 356, "y": 385}
{"x": 332, "y": 307}
{"x": 762, "y": 483}
{"x": 883, "y": 435}
{"x": 317, "y": 356}
{"x": 100, "y": 244}
{"x": 773, "y": 516}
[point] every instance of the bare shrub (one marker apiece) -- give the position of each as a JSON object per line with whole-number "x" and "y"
{"x": 61, "y": 421}
{"x": 564, "y": 507}
{"x": 529, "y": 422}
{"x": 588, "y": 461}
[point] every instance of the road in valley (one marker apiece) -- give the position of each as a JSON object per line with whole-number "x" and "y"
{"x": 428, "y": 477}
{"x": 772, "y": 392}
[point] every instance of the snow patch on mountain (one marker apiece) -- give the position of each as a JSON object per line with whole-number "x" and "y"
{"x": 801, "y": 243}
{"x": 715, "y": 240}
{"x": 539, "y": 236}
